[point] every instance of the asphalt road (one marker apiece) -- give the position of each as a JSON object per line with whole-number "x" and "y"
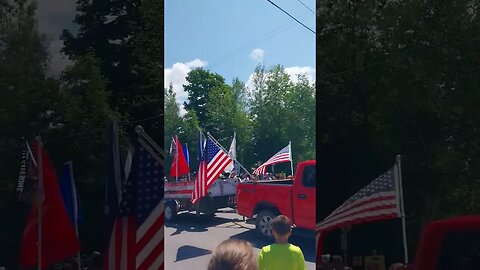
{"x": 189, "y": 241}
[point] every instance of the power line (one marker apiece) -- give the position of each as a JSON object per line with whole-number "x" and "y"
{"x": 247, "y": 46}
{"x": 306, "y": 7}
{"x": 291, "y": 16}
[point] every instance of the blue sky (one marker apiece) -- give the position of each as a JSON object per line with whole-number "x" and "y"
{"x": 231, "y": 37}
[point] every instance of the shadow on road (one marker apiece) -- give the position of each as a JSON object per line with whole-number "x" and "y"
{"x": 188, "y": 252}
{"x": 187, "y": 222}
{"x": 306, "y": 241}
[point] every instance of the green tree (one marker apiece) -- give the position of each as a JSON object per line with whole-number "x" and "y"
{"x": 269, "y": 111}
{"x": 240, "y": 96}
{"x": 398, "y": 77}
{"x": 145, "y": 98}
{"x": 221, "y": 113}
{"x": 83, "y": 115}
{"x": 189, "y": 134}
{"x": 84, "y": 109}
{"x": 199, "y": 84}
{"x": 173, "y": 121}
{"x": 25, "y": 92}
{"x": 300, "y": 106}
{"x": 26, "y": 96}
{"x": 106, "y": 28}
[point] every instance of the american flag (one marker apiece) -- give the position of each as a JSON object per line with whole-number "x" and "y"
{"x": 137, "y": 235}
{"x": 213, "y": 162}
{"x": 377, "y": 201}
{"x": 283, "y": 155}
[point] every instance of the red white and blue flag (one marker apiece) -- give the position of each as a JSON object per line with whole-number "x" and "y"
{"x": 283, "y": 155}
{"x": 212, "y": 163}
{"x": 137, "y": 236}
{"x": 380, "y": 200}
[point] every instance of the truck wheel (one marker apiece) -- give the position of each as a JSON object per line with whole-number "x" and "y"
{"x": 170, "y": 211}
{"x": 262, "y": 224}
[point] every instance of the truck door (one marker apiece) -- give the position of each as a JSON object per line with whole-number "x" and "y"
{"x": 460, "y": 250}
{"x": 303, "y": 197}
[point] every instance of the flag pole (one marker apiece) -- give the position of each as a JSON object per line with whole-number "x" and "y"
{"x": 291, "y": 158}
{"x": 31, "y": 154}
{"x": 176, "y": 167}
{"x": 219, "y": 145}
{"x": 232, "y": 152}
{"x": 404, "y": 228}
{"x": 150, "y": 145}
{"x": 40, "y": 200}
{"x": 188, "y": 163}
{"x": 75, "y": 209}
{"x": 116, "y": 159}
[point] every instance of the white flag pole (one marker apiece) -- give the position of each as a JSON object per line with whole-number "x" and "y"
{"x": 232, "y": 152}
{"x": 75, "y": 208}
{"x": 291, "y": 156}
{"x": 40, "y": 200}
{"x": 402, "y": 208}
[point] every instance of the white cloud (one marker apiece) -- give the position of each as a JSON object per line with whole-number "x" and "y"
{"x": 257, "y": 54}
{"x": 176, "y": 75}
{"x": 293, "y": 72}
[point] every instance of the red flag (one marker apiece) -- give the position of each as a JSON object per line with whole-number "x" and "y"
{"x": 180, "y": 160}
{"x": 59, "y": 240}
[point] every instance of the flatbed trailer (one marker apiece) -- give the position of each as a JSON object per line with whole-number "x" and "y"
{"x": 178, "y": 196}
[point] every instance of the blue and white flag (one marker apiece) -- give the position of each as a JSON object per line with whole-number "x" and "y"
{"x": 186, "y": 154}
{"x": 70, "y": 194}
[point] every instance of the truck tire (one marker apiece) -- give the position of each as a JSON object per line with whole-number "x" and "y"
{"x": 262, "y": 224}
{"x": 170, "y": 211}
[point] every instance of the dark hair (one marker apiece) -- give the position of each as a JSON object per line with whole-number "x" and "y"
{"x": 233, "y": 254}
{"x": 281, "y": 225}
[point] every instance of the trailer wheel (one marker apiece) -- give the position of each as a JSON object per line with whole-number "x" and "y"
{"x": 170, "y": 211}
{"x": 209, "y": 216}
{"x": 206, "y": 205}
{"x": 262, "y": 224}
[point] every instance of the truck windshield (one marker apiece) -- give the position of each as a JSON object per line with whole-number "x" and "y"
{"x": 308, "y": 176}
{"x": 460, "y": 250}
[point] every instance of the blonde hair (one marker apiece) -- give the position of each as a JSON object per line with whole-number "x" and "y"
{"x": 233, "y": 254}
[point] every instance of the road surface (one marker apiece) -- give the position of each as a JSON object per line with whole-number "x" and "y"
{"x": 189, "y": 241}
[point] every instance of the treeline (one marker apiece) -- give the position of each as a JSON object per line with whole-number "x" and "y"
{"x": 116, "y": 71}
{"x": 274, "y": 110}
{"x": 400, "y": 77}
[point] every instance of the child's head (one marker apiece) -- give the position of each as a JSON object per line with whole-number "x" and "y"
{"x": 281, "y": 227}
{"x": 233, "y": 254}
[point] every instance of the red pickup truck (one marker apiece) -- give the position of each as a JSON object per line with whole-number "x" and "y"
{"x": 294, "y": 198}
{"x": 450, "y": 244}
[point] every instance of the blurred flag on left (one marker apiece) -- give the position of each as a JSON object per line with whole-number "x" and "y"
{"x": 28, "y": 176}
{"x": 70, "y": 194}
{"x": 59, "y": 240}
{"x": 137, "y": 235}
